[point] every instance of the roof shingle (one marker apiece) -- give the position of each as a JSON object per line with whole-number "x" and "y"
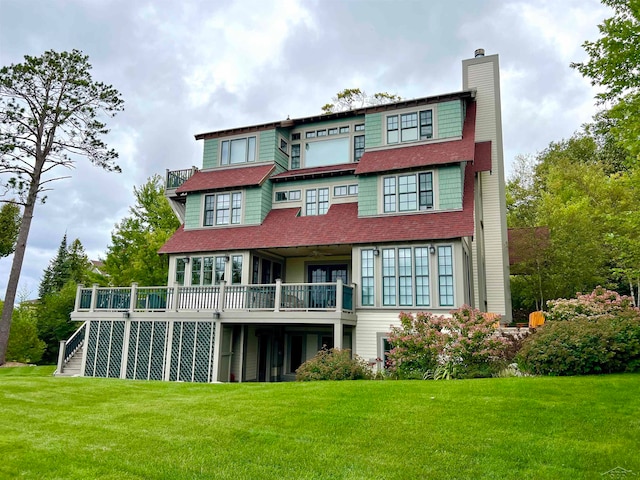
{"x": 227, "y": 178}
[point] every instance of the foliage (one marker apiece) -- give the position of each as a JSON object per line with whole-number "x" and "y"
{"x": 50, "y": 110}
{"x": 461, "y": 345}
{"x": 24, "y": 345}
{"x": 598, "y": 304}
{"x": 353, "y": 98}
{"x": 577, "y": 190}
{"x": 333, "y": 364}
{"x": 9, "y": 226}
{"x": 583, "y": 347}
{"x": 613, "y": 63}
{"x": 132, "y": 255}
{"x": 54, "y": 321}
{"x": 70, "y": 264}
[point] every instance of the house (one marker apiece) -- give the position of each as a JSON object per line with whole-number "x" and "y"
{"x": 315, "y": 232}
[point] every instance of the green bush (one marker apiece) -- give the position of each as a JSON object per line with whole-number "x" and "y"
{"x": 334, "y": 364}
{"x": 582, "y": 347}
{"x": 24, "y": 345}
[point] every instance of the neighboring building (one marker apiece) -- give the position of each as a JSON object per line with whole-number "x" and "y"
{"x": 313, "y": 232}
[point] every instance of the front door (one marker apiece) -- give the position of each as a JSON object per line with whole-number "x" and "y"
{"x": 324, "y": 296}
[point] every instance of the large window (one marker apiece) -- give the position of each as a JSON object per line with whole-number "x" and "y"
{"x": 317, "y": 201}
{"x": 327, "y": 146}
{"x": 239, "y": 150}
{"x": 222, "y": 209}
{"x": 405, "y": 277}
{"x": 409, "y": 127}
{"x": 358, "y": 147}
{"x": 445, "y": 275}
{"x": 408, "y": 193}
{"x": 210, "y": 270}
{"x": 180, "y": 269}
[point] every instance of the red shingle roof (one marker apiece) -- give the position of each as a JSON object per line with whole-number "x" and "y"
{"x": 423, "y": 155}
{"x": 227, "y": 178}
{"x": 341, "y": 225}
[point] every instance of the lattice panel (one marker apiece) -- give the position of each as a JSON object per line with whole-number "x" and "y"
{"x": 186, "y": 352}
{"x": 115, "y": 360}
{"x": 102, "y": 355}
{"x": 131, "y": 349}
{"x": 175, "y": 350}
{"x": 144, "y": 347}
{"x": 203, "y": 349}
{"x": 157, "y": 351}
{"x": 91, "y": 348}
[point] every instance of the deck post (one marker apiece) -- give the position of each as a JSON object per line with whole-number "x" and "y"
{"x": 78, "y": 296}
{"x": 217, "y": 351}
{"x": 337, "y": 334}
{"x": 222, "y": 294}
{"x": 339, "y": 293}
{"x": 94, "y": 297}
{"x": 278, "y": 297}
{"x": 134, "y": 297}
{"x": 176, "y": 297}
{"x": 63, "y": 343}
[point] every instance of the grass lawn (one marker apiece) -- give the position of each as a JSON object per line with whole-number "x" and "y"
{"x": 537, "y": 428}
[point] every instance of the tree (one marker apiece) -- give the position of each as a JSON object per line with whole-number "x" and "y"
{"x": 54, "y": 321}
{"x": 614, "y": 60}
{"x": 24, "y": 345}
{"x": 352, "y": 98}
{"x": 70, "y": 264}
{"x": 50, "y": 110}
{"x": 133, "y": 253}
{"x": 9, "y": 226}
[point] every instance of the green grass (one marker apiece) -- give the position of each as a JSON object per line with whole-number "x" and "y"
{"x": 536, "y": 428}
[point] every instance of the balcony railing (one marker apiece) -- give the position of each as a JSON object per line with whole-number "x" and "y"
{"x": 331, "y": 297}
{"x": 175, "y": 178}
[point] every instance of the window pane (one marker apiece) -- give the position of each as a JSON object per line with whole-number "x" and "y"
{"x": 358, "y": 147}
{"x": 409, "y": 126}
{"x": 180, "y": 267}
{"x": 392, "y": 129}
{"x": 353, "y": 189}
{"x": 422, "y": 276}
{"x": 207, "y": 271}
{"x": 323, "y": 201}
{"x": 295, "y": 156}
{"x": 329, "y": 151}
{"x": 251, "y": 151}
{"x": 445, "y": 275}
{"x": 340, "y": 191}
{"x": 321, "y": 133}
{"x": 333, "y": 131}
{"x": 310, "y": 134}
{"x": 388, "y": 277}
{"x": 281, "y": 196}
{"x": 426, "y": 191}
{"x": 407, "y": 197}
{"x": 236, "y": 207}
{"x": 220, "y": 263}
{"x": 236, "y": 269}
{"x": 311, "y": 207}
{"x": 238, "y": 151}
{"x": 224, "y": 159}
{"x": 404, "y": 276}
{"x": 426, "y": 124}
{"x": 390, "y": 194}
{"x": 367, "y": 277}
{"x": 196, "y": 270}
{"x": 294, "y": 195}
{"x": 209, "y": 202}
{"x": 222, "y": 209}
{"x": 344, "y": 129}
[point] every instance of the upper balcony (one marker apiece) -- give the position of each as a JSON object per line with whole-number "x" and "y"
{"x": 291, "y": 300}
{"x": 175, "y": 178}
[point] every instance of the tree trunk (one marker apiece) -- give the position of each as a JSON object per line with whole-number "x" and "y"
{"x": 16, "y": 268}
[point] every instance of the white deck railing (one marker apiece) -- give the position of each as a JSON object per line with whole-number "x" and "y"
{"x": 334, "y": 297}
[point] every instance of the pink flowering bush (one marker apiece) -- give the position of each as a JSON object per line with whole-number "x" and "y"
{"x": 597, "y": 304}
{"x": 463, "y": 344}
{"x": 591, "y": 334}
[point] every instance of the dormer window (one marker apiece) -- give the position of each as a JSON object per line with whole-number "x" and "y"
{"x": 238, "y": 150}
{"x": 410, "y": 127}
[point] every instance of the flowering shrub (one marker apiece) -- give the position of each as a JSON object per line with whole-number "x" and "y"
{"x": 437, "y": 346}
{"x": 334, "y": 364}
{"x": 594, "y": 333}
{"x": 597, "y": 304}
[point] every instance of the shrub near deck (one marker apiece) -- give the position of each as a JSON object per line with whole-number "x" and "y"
{"x": 512, "y": 428}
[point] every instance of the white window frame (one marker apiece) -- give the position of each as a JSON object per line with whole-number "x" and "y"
{"x": 397, "y": 115}
{"x": 232, "y": 209}
{"x": 386, "y": 195}
{"x": 291, "y": 195}
{"x": 308, "y": 135}
{"x": 316, "y": 202}
{"x": 227, "y": 162}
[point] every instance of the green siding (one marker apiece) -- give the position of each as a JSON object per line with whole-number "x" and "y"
{"x": 253, "y": 204}
{"x": 265, "y": 200}
{"x": 450, "y": 119}
{"x": 192, "y": 210}
{"x": 281, "y": 158}
{"x": 373, "y": 130}
{"x": 367, "y": 195}
{"x": 210, "y": 156}
{"x": 267, "y": 146}
{"x": 450, "y": 187}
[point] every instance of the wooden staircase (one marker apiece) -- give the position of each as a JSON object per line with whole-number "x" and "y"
{"x": 73, "y": 366}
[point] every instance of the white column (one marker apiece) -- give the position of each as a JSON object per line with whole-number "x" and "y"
{"x": 94, "y": 297}
{"x": 134, "y": 297}
{"x": 175, "y": 304}
{"x": 278, "y": 299}
{"x": 339, "y": 292}
{"x": 222, "y": 296}
{"x": 63, "y": 343}
{"x": 217, "y": 351}
{"x": 337, "y": 334}
{"x": 78, "y": 297}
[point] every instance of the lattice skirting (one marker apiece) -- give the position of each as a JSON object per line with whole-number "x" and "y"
{"x": 145, "y": 350}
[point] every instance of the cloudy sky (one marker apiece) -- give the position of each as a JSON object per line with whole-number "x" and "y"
{"x": 194, "y": 66}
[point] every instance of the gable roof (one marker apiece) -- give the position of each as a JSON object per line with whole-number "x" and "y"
{"x": 437, "y": 153}
{"x": 339, "y": 226}
{"x": 227, "y": 178}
